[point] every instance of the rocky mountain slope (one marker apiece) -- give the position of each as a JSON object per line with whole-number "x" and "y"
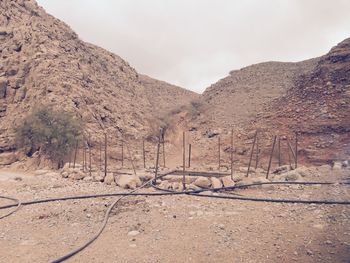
{"x": 44, "y": 61}
{"x": 318, "y": 107}
{"x": 238, "y": 98}
{"x": 309, "y": 97}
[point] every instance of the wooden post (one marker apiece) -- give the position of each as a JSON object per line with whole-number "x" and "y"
{"x": 279, "y": 151}
{"x": 231, "y": 154}
{"x": 157, "y": 160}
{"x": 143, "y": 153}
{"x": 271, "y": 154}
{"x": 189, "y": 155}
{"x": 105, "y": 155}
{"x": 75, "y": 154}
{"x": 219, "y": 151}
{"x": 251, "y": 153}
{"x": 296, "y": 150}
{"x": 183, "y": 160}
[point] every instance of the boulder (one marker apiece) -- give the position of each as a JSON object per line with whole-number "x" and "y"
{"x": 245, "y": 181}
{"x": 303, "y": 171}
{"x": 202, "y": 182}
{"x": 291, "y": 176}
{"x": 77, "y": 175}
{"x": 337, "y": 166}
{"x": 144, "y": 177}
{"x": 281, "y": 169}
{"x": 215, "y": 182}
{"x": 109, "y": 179}
{"x": 227, "y": 181}
{"x": 128, "y": 181}
{"x": 193, "y": 187}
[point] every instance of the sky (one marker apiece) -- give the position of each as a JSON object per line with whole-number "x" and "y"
{"x": 194, "y": 43}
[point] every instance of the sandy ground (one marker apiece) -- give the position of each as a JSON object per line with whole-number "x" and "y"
{"x": 173, "y": 228}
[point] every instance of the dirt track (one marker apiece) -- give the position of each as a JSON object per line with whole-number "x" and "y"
{"x": 173, "y": 229}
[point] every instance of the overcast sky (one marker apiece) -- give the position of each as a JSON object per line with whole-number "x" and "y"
{"x": 194, "y": 43}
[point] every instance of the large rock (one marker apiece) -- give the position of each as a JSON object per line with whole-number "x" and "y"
{"x": 291, "y": 176}
{"x": 202, "y": 182}
{"x": 128, "y": 181}
{"x": 109, "y": 179}
{"x": 215, "y": 182}
{"x": 8, "y": 158}
{"x": 227, "y": 181}
{"x": 281, "y": 169}
{"x": 337, "y": 166}
{"x": 77, "y": 174}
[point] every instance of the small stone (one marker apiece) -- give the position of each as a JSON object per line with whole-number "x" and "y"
{"x": 133, "y": 233}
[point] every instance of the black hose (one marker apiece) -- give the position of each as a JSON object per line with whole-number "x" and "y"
{"x": 17, "y": 204}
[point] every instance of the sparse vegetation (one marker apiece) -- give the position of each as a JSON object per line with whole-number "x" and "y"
{"x": 51, "y": 132}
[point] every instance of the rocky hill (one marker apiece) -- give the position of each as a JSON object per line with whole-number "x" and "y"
{"x": 44, "y": 61}
{"x": 318, "y": 107}
{"x": 309, "y": 97}
{"x": 238, "y": 98}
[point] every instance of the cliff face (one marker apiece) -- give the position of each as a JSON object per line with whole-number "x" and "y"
{"x": 44, "y": 61}
{"x": 318, "y": 106}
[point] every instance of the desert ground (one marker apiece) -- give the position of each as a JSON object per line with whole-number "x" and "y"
{"x": 178, "y": 228}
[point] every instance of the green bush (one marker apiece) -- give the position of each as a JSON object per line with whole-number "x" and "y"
{"x": 51, "y": 132}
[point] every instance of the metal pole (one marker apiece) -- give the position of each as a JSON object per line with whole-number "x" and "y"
{"x": 100, "y": 155}
{"x": 163, "y": 154}
{"x": 231, "y": 153}
{"x": 271, "y": 154}
{"x": 75, "y": 154}
{"x": 257, "y": 153}
{"x": 296, "y": 150}
{"x": 219, "y": 150}
{"x": 89, "y": 144}
{"x": 251, "y": 153}
{"x": 131, "y": 158}
{"x": 289, "y": 159}
{"x": 122, "y": 153}
{"x": 143, "y": 153}
{"x": 291, "y": 149}
{"x": 157, "y": 160}
{"x": 183, "y": 160}
{"x": 189, "y": 155}
{"x": 279, "y": 151}
{"x": 84, "y": 156}
{"x": 105, "y": 155}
